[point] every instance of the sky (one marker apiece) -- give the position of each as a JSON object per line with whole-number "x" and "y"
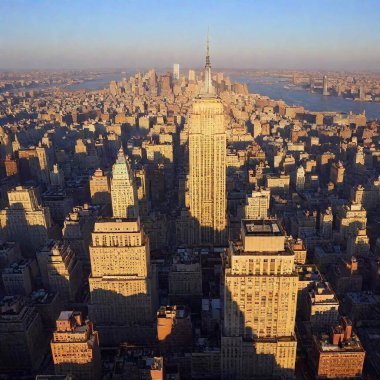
{"x": 257, "y": 34}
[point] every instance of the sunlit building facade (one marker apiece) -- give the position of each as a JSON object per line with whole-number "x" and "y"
{"x": 260, "y": 298}
{"x": 207, "y": 164}
{"x": 121, "y": 283}
{"x": 75, "y": 347}
{"x": 123, "y": 189}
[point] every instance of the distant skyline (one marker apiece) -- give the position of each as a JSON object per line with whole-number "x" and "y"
{"x": 244, "y": 34}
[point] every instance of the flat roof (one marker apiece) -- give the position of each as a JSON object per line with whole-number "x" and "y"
{"x": 262, "y": 227}
{"x": 65, "y": 315}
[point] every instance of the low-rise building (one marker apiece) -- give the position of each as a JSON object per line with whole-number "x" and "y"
{"x": 174, "y": 329}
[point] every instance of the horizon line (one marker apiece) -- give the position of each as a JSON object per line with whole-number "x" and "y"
{"x": 170, "y": 68}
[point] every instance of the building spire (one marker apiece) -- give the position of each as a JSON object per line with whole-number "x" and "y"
{"x": 208, "y": 64}
{"x": 209, "y": 89}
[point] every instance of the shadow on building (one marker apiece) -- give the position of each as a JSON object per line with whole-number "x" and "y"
{"x": 16, "y": 227}
{"x": 245, "y": 356}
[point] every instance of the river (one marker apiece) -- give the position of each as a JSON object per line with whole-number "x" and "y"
{"x": 274, "y": 88}
{"x": 268, "y": 86}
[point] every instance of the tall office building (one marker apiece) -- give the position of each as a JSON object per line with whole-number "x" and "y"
{"x": 100, "y": 188}
{"x": 260, "y": 297}
{"x": 121, "y": 283}
{"x": 176, "y": 71}
{"x": 207, "y": 163}
{"x": 25, "y": 220}
{"x": 191, "y": 75}
{"x": 325, "y": 86}
{"x": 257, "y": 204}
{"x": 57, "y": 177}
{"x": 23, "y": 340}
{"x": 337, "y": 173}
{"x": 300, "y": 178}
{"x": 123, "y": 189}
{"x": 362, "y": 92}
{"x": 75, "y": 347}
{"x": 64, "y": 272}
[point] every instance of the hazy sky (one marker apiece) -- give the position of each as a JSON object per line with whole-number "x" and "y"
{"x": 309, "y": 34}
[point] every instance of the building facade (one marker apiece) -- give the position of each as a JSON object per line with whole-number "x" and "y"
{"x": 121, "y": 282}
{"x": 257, "y": 204}
{"x": 207, "y": 165}
{"x": 75, "y": 347}
{"x": 260, "y": 298}
{"x": 25, "y": 220}
{"x": 123, "y": 189}
{"x": 100, "y": 188}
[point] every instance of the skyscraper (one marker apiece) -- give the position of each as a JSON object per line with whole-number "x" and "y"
{"x": 64, "y": 272}
{"x": 176, "y": 71}
{"x": 25, "y": 220}
{"x": 75, "y": 347}
{"x": 260, "y": 297}
{"x": 121, "y": 282}
{"x": 23, "y": 340}
{"x": 325, "y": 86}
{"x": 207, "y": 163}
{"x": 123, "y": 190}
{"x": 257, "y": 204}
{"x": 191, "y": 75}
{"x": 100, "y": 188}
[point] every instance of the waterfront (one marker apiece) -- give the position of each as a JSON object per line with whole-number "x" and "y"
{"x": 273, "y": 88}
{"x": 311, "y": 101}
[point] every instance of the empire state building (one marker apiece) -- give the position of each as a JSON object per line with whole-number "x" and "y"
{"x": 207, "y": 165}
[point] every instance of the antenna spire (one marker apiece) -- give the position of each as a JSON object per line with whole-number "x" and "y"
{"x": 209, "y": 89}
{"x": 208, "y": 64}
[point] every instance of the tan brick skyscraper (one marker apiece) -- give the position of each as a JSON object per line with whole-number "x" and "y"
{"x": 260, "y": 297}
{"x": 75, "y": 347}
{"x": 122, "y": 284}
{"x": 207, "y": 163}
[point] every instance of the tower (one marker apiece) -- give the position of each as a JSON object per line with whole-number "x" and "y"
{"x": 123, "y": 190}
{"x": 260, "y": 297}
{"x": 121, "y": 282}
{"x": 26, "y": 220}
{"x": 176, "y": 71}
{"x": 75, "y": 347}
{"x": 207, "y": 165}
{"x": 257, "y": 204}
{"x": 325, "y": 86}
{"x": 362, "y": 92}
{"x": 300, "y": 178}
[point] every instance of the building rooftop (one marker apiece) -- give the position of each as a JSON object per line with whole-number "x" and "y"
{"x": 186, "y": 257}
{"x": 363, "y": 297}
{"x": 308, "y": 273}
{"x": 18, "y": 267}
{"x": 5, "y": 246}
{"x": 65, "y": 315}
{"x": 264, "y": 227}
{"x": 42, "y": 296}
{"x": 11, "y": 305}
{"x": 179, "y": 311}
{"x": 324, "y": 344}
{"x": 54, "y": 192}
